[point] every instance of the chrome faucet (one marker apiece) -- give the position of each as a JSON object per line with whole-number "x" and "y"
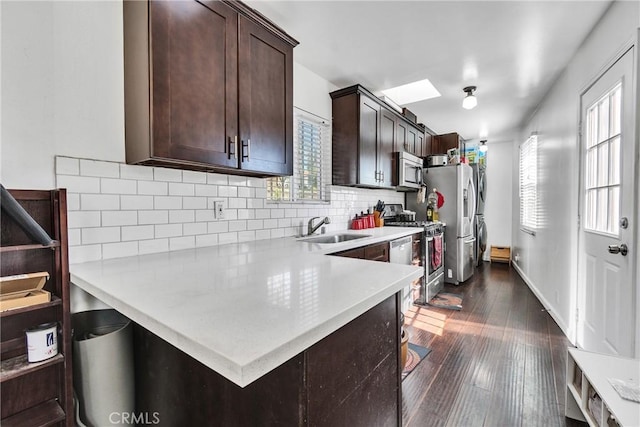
{"x": 312, "y": 228}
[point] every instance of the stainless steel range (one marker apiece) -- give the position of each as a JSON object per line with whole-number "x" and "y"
{"x": 432, "y": 249}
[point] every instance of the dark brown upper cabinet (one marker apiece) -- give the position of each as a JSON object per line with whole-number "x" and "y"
{"x": 366, "y": 133}
{"x": 208, "y": 86}
{"x": 441, "y": 143}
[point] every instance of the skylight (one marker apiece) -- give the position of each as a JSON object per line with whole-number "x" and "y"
{"x": 412, "y": 92}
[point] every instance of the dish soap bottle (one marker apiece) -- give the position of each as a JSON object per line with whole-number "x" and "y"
{"x": 432, "y": 204}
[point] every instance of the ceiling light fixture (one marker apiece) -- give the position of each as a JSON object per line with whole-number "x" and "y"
{"x": 469, "y": 101}
{"x": 483, "y": 146}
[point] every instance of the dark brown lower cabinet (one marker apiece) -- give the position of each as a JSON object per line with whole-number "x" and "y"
{"x": 350, "y": 378}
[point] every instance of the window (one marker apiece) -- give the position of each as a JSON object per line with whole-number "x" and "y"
{"x": 311, "y": 165}
{"x": 602, "y": 165}
{"x": 529, "y": 184}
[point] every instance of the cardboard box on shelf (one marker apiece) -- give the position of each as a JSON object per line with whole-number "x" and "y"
{"x": 23, "y": 290}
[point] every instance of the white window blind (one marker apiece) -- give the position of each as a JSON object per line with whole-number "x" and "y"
{"x": 311, "y": 165}
{"x": 529, "y": 184}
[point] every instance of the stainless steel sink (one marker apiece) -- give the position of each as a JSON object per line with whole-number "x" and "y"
{"x": 335, "y": 238}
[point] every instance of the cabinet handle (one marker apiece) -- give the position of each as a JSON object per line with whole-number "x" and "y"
{"x": 248, "y": 147}
{"x": 233, "y": 143}
{"x": 382, "y": 173}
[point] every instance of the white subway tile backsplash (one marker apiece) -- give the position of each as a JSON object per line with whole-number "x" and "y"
{"x": 111, "y": 218}
{"x": 118, "y": 186}
{"x": 246, "y": 192}
{"x": 237, "y": 225}
{"x": 99, "y": 202}
{"x": 206, "y": 190}
{"x": 206, "y": 240}
{"x": 263, "y": 234}
{"x": 194, "y": 177}
{"x": 100, "y": 235}
{"x": 73, "y": 237}
{"x": 194, "y": 228}
{"x": 137, "y": 232}
{"x": 226, "y": 191}
{"x": 82, "y": 219}
{"x": 153, "y": 217}
{"x": 140, "y": 173}
{"x": 205, "y": 215}
{"x": 217, "y": 179}
{"x": 246, "y": 214}
{"x": 246, "y": 236}
{"x": 237, "y": 203}
{"x": 218, "y": 227}
{"x": 119, "y": 250}
{"x": 230, "y": 214}
{"x": 237, "y": 180}
{"x": 178, "y": 243}
{"x": 291, "y": 213}
{"x": 73, "y": 202}
{"x": 255, "y": 224}
{"x": 168, "y": 230}
{"x": 255, "y": 203}
{"x": 285, "y": 222}
{"x": 182, "y": 216}
{"x": 136, "y": 202}
{"x": 181, "y": 189}
{"x": 167, "y": 202}
{"x": 270, "y": 223}
{"x": 277, "y": 213}
{"x": 276, "y": 233}
{"x": 67, "y": 166}
{"x": 86, "y": 253}
{"x": 153, "y": 246}
{"x": 119, "y": 210}
{"x": 99, "y": 168}
{"x": 194, "y": 203}
{"x": 263, "y": 213}
{"x": 167, "y": 175}
{"x": 224, "y": 238}
{"x": 153, "y": 188}
{"x": 78, "y": 184}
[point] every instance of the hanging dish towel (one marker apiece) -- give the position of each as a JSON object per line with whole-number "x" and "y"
{"x": 436, "y": 254}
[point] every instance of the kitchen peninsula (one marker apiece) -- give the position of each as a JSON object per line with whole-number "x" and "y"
{"x": 265, "y": 332}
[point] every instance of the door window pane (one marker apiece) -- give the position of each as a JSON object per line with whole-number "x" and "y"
{"x": 602, "y": 157}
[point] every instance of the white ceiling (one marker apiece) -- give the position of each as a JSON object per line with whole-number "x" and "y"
{"x": 511, "y": 50}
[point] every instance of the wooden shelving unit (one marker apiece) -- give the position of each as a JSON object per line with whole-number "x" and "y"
{"x": 36, "y": 394}
{"x": 591, "y": 398}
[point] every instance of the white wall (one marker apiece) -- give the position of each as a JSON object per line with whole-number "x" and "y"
{"x": 548, "y": 260}
{"x": 62, "y": 86}
{"x": 498, "y": 207}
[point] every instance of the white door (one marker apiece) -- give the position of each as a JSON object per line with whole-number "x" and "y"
{"x": 606, "y": 290}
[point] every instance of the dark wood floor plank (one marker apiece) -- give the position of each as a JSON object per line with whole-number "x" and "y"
{"x": 500, "y": 361}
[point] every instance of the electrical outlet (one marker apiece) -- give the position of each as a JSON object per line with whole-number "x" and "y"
{"x": 219, "y": 209}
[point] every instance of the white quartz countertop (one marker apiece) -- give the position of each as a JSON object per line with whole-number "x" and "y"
{"x": 244, "y": 309}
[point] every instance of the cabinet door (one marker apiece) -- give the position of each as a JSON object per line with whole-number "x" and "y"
{"x": 368, "y": 143}
{"x": 194, "y": 68}
{"x": 427, "y": 146}
{"x": 420, "y": 149}
{"x": 377, "y": 252}
{"x": 265, "y": 66}
{"x": 352, "y": 253}
{"x": 401, "y": 136}
{"x": 386, "y": 146}
{"x": 412, "y": 139}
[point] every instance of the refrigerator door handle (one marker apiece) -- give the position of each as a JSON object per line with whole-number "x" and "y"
{"x": 473, "y": 192}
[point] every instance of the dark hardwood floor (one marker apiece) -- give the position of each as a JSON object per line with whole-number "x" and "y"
{"x": 500, "y": 361}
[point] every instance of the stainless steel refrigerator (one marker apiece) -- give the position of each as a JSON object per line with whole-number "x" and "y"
{"x": 456, "y": 184}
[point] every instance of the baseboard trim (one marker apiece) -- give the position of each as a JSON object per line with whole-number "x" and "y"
{"x": 545, "y": 303}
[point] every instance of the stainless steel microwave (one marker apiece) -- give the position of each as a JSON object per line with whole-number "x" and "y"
{"x": 409, "y": 171}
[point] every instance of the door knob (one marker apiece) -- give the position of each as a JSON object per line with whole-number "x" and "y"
{"x": 621, "y": 249}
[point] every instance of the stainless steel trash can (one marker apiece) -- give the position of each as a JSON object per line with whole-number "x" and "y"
{"x": 103, "y": 367}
